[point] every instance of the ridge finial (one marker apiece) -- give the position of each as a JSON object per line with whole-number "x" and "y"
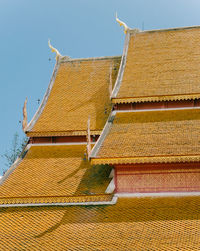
{"x": 54, "y": 50}
{"x": 24, "y": 123}
{"x": 121, "y": 23}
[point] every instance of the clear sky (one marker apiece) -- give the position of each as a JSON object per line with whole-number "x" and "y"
{"x": 78, "y": 28}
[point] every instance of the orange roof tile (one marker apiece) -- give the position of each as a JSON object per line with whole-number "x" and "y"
{"x": 151, "y": 136}
{"x": 79, "y": 89}
{"x": 53, "y": 171}
{"x": 45, "y": 200}
{"x": 131, "y": 224}
{"x": 161, "y": 65}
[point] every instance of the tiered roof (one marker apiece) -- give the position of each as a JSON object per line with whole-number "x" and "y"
{"x": 78, "y": 89}
{"x": 150, "y": 136}
{"x": 155, "y": 66}
{"x": 132, "y": 223}
{"x": 58, "y": 174}
{"x": 61, "y": 173}
{"x": 159, "y": 65}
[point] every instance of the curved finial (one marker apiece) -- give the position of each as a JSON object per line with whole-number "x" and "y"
{"x": 24, "y": 123}
{"x": 126, "y": 28}
{"x": 54, "y": 50}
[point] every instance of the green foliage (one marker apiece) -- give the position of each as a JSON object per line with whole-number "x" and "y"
{"x": 15, "y": 150}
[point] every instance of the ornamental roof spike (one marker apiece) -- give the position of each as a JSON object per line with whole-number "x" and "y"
{"x": 24, "y": 123}
{"x": 54, "y": 50}
{"x": 121, "y": 23}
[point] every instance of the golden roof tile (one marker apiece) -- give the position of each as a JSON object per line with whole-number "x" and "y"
{"x": 131, "y": 224}
{"x": 53, "y": 173}
{"x": 79, "y": 88}
{"x": 45, "y": 200}
{"x": 151, "y": 136}
{"x": 160, "y": 65}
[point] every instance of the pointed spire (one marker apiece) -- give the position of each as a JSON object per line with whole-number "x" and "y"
{"x": 54, "y": 50}
{"x": 126, "y": 28}
{"x": 88, "y": 138}
{"x": 24, "y": 123}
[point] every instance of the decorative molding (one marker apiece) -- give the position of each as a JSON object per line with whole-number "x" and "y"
{"x": 161, "y": 194}
{"x": 147, "y": 159}
{"x": 141, "y": 99}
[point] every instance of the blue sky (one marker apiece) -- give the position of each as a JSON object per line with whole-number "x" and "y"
{"x": 78, "y": 28}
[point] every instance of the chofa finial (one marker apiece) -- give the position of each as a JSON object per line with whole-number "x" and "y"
{"x": 126, "y": 28}
{"x": 54, "y": 50}
{"x": 24, "y": 123}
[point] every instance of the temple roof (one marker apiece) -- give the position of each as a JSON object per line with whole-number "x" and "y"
{"x": 159, "y": 65}
{"x": 149, "y": 137}
{"x": 78, "y": 89}
{"x": 53, "y": 198}
{"x": 50, "y": 174}
{"x": 139, "y": 223}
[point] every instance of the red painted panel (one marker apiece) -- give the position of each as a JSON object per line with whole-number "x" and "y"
{"x": 149, "y": 105}
{"x": 158, "y": 182}
{"x": 181, "y": 103}
{"x": 157, "y": 166}
{"x": 158, "y": 105}
{"x": 38, "y": 140}
{"x": 197, "y": 102}
{"x": 69, "y": 139}
{"x": 61, "y": 139}
{"x": 157, "y": 179}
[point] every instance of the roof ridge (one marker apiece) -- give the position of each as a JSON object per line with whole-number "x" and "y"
{"x": 67, "y": 59}
{"x": 166, "y": 29}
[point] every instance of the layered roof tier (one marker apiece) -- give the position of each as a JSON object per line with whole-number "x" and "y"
{"x": 149, "y": 137}
{"x": 132, "y": 223}
{"x": 155, "y": 66}
{"x": 53, "y": 174}
{"x": 78, "y": 89}
{"x": 159, "y": 65}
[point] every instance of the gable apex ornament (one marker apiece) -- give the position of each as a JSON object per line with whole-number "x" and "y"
{"x": 54, "y": 50}
{"x": 121, "y": 23}
{"x": 24, "y": 123}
